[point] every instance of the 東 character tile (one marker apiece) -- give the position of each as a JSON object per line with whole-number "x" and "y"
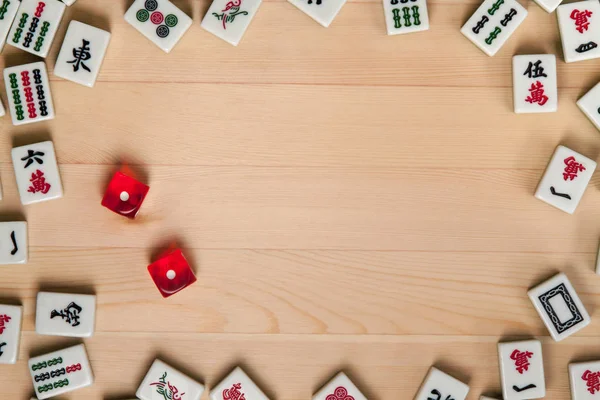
{"x": 13, "y": 242}
{"x": 590, "y": 105}
{"x": 229, "y": 19}
{"x": 405, "y": 16}
{"x": 522, "y": 370}
{"x": 534, "y": 83}
{"x": 10, "y": 333}
{"x": 438, "y": 385}
{"x": 322, "y": 11}
{"x": 65, "y": 314}
{"x": 585, "y": 380}
{"x": 579, "y": 25}
{"x": 165, "y": 382}
{"x": 339, "y": 388}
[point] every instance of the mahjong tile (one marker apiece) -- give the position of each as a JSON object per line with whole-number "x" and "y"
{"x": 522, "y": 370}
{"x": 438, "y": 385}
{"x": 8, "y": 10}
{"x": 534, "y": 83}
{"x": 165, "y": 382}
{"x": 2, "y": 112}
{"x": 237, "y": 384}
{"x": 28, "y": 92}
{"x": 60, "y": 372}
{"x": 68, "y": 2}
{"x": 585, "y": 380}
{"x": 160, "y": 21}
{"x": 548, "y": 5}
{"x": 322, "y": 11}
{"x": 590, "y": 105}
{"x": 35, "y": 25}
{"x": 493, "y": 23}
{"x": 13, "y": 242}
{"x": 37, "y": 173}
{"x": 339, "y": 388}
{"x": 405, "y": 16}
{"x": 565, "y": 179}
{"x": 10, "y": 333}
{"x": 560, "y": 308}
{"x": 82, "y": 53}
{"x": 229, "y": 19}
{"x": 65, "y": 314}
{"x": 579, "y": 25}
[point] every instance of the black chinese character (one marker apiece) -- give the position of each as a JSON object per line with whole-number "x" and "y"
{"x": 81, "y": 54}
{"x": 1, "y": 345}
{"x": 70, "y": 314}
{"x": 31, "y": 156}
{"x": 535, "y": 70}
{"x": 439, "y": 395}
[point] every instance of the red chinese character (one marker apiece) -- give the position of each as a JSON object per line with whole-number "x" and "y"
{"x": 536, "y": 94}
{"x": 592, "y": 380}
{"x": 3, "y": 321}
{"x": 38, "y": 183}
{"x": 234, "y": 393}
{"x": 572, "y": 168}
{"x": 521, "y": 359}
{"x": 581, "y": 19}
{"x": 340, "y": 393}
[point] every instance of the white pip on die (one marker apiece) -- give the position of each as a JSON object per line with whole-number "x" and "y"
{"x": 579, "y": 25}
{"x": 10, "y": 333}
{"x": 165, "y": 382}
{"x": 340, "y": 388}
{"x": 28, "y": 92}
{"x": 322, "y": 11}
{"x": 82, "y": 53}
{"x": 8, "y": 10}
{"x": 229, "y": 19}
{"x": 65, "y": 314}
{"x": 522, "y": 370}
{"x": 37, "y": 173}
{"x": 238, "y": 383}
{"x": 590, "y": 105}
{"x": 35, "y": 25}
{"x": 585, "y": 380}
{"x": 565, "y": 179}
{"x": 405, "y": 16}
{"x": 534, "y": 83}
{"x": 493, "y": 23}
{"x": 160, "y": 21}
{"x": 60, "y": 372}
{"x": 559, "y": 307}
{"x": 439, "y": 385}
{"x": 13, "y": 243}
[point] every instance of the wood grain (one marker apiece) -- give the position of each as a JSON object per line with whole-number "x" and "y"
{"x": 349, "y": 201}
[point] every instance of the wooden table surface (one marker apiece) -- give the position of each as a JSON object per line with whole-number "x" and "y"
{"x": 348, "y": 200}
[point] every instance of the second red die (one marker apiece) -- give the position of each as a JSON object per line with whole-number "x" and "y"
{"x": 124, "y": 195}
{"x": 171, "y": 273}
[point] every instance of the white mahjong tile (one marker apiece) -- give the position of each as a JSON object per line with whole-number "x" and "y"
{"x": 339, "y": 388}
{"x": 60, "y": 372}
{"x": 13, "y": 242}
{"x": 534, "y": 83}
{"x": 28, "y": 92}
{"x": 522, "y": 370}
{"x": 160, "y": 21}
{"x": 35, "y": 26}
{"x": 165, "y": 382}
{"x": 36, "y": 171}
{"x": 236, "y": 384}
{"x": 565, "y": 179}
{"x": 65, "y": 314}
{"x": 548, "y": 5}
{"x": 493, "y": 23}
{"x": 441, "y": 386}
{"x": 69, "y": 2}
{"x": 560, "y": 308}
{"x": 82, "y": 53}
{"x": 229, "y": 19}
{"x": 10, "y": 333}
{"x": 585, "y": 380}
{"x": 8, "y": 10}
{"x": 405, "y": 16}
{"x": 579, "y": 25}
{"x": 2, "y": 112}
{"x": 590, "y": 105}
{"x": 322, "y": 11}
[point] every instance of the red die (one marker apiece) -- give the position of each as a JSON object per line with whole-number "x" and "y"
{"x": 124, "y": 195}
{"x": 171, "y": 273}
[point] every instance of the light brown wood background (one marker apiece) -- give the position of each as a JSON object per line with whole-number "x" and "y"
{"x": 348, "y": 200}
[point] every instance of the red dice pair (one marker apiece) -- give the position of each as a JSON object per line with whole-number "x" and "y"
{"x": 124, "y": 195}
{"x": 171, "y": 273}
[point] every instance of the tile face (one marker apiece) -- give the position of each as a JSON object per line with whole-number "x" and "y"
{"x": 82, "y": 53}
{"x": 522, "y": 370}
{"x": 229, "y": 19}
{"x": 405, "y": 16}
{"x": 37, "y": 173}
{"x": 68, "y": 2}
{"x": 237, "y": 385}
{"x": 559, "y": 307}
{"x": 2, "y": 112}
{"x": 8, "y": 10}
{"x": 548, "y": 5}
{"x": 590, "y": 105}
{"x": 534, "y": 83}
{"x": 35, "y": 25}
{"x": 171, "y": 273}
{"x": 585, "y": 380}
{"x": 339, "y": 388}
{"x": 13, "y": 243}
{"x": 60, "y": 372}
{"x": 160, "y": 21}
{"x": 124, "y": 195}
{"x": 440, "y": 386}
{"x": 579, "y": 25}
{"x": 322, "y": 11}
{"x": 10, "y": 333}
{"x": 165, "y": 382}
{"x": 28, "y": 92}
{"x": 493, "y": 23}
{"x": 65, "y": 314}
{"x": 565, "y": 179}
